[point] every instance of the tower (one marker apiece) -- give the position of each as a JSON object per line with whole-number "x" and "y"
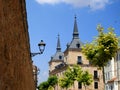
{"x": 73, "y": 55}
{"x": 74, "y": 46}
{"x": 57, "y": 58}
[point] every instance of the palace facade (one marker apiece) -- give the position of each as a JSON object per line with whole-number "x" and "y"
{"x": 73, "y": 55}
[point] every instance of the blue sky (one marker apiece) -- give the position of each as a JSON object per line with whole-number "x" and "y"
{"x": 47, "y": 18}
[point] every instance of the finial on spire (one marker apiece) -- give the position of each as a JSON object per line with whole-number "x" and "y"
{"x": 58, "y": 35}
{"x": 75, "y": 16}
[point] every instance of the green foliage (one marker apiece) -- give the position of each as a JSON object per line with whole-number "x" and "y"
{"x": 71, "y": 74}
{"x": 103, "y": 48}
{"x": 49, "y": 84}
{"x": 86, "y": 78}
{"x": 65, "y": 82}
{"x": 75, "y": 73}
{"x": 50, "y": 88}
{"x": 43, "y": 86}
{"x": 52, "y": 80}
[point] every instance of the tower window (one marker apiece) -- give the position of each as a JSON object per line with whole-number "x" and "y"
{"x": 96, "y": 85}
{"x": 51, "y": 58}
{"x": 79, "y": 60}
{"x": 60, "y": 57}
{"x": 78, "y": 45}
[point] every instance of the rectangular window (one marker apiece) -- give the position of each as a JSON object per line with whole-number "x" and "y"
{"x": 79, "y": 85}
{"x": 106, "y": 87}
{"x": 119, "y": 57}
{"x": 108, "y": 75}
{"x": 96, "y": 85}
{"x": 79, "y": 60}
{"x": 95, "y": 74}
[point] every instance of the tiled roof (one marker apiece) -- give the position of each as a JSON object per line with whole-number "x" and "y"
{"x": 112, "y": 80}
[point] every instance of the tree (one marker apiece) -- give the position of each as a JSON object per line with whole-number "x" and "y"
{"x": 75, "y": 73}
{"x": 49, "y": 84}
{"x": 86, "y": 79}
{"x": 50, "y": 88}
{"x": 43, "y": 86}
{"x": 65, "y": 82}
{"x": 103, "y": 48}
{"x": 52, "y": 81}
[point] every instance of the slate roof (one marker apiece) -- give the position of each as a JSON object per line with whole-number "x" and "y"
{"x": 75, "y": 43}
{"x": 58, "y": 55}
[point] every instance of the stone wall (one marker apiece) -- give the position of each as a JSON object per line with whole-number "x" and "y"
{"x": 15, "y": 62}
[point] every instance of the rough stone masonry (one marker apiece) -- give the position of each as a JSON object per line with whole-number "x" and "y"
{"x": 15, "y": 62}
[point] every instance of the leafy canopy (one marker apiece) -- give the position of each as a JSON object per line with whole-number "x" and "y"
{"x": 103, "y": 48}
{"x": 49, "y": 84}
{"x": 52, "y": 80}
{"x": 87, "y": 78}
{"x": 75, "y": 73}
{"x": 43, "y": 86}
{"x": 65, "y": 82}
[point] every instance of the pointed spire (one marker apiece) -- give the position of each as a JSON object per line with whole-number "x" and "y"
{"x": 75, "y": 30}
{"x": 58, "y": 44}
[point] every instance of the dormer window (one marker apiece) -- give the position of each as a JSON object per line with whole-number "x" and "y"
{"x": 51, "y": 58}
{"x": 78, "y": 45}
{"x": 60, "y": 57}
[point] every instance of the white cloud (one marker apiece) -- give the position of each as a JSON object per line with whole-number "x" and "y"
{"x": 93, "y": 4}
{"x": 98, "y": 4}
{"x": 48, "y": 1}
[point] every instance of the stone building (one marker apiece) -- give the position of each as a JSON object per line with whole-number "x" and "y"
{"x": 35, "y": 73}
{"x": 112, "y": 73}
{"x": 15, "y": 61}
{"x": 73, "y": 55}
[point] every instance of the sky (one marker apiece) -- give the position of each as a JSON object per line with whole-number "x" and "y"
{"x": 48, "y": 18}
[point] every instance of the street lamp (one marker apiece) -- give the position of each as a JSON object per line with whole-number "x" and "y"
{"x": 41, "y": 46}
{"x": 36, "y": 70}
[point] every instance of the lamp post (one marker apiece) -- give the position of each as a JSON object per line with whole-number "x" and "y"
{"x": 36, "y": 70}
{"x": 41, "y": 46}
